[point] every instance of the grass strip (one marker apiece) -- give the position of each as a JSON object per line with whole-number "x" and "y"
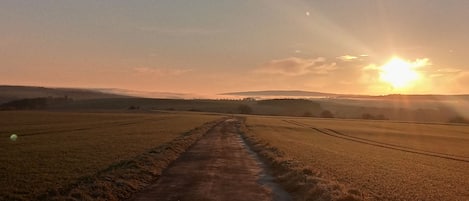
{"x": 301, "y": 182}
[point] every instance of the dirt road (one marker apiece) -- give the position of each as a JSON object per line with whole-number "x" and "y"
{"x": 218, "y": 167}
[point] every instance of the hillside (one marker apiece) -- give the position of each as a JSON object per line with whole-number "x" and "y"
{"x": 9, "y": 93}
{"x": 313, "y": 94}
{"x": 426, "y": 108}
{"x": 280, "y": 93}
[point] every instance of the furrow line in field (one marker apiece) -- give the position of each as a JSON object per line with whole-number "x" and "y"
{"x": 333, "y": 133}
{"x": 104, "y": 125}
{"x": 399, "y": 146}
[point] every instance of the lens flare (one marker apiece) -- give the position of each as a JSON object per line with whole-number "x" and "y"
{"x": 13, "y": 137}
{"x": 399, "y": 73}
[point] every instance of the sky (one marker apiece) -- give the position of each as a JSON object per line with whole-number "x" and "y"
{"x": 211, "y": 47}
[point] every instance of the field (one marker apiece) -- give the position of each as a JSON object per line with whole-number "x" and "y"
{"x": 54, "y": 149}
{"x": 57, "y": 153}
{"x": 371, "y": 160}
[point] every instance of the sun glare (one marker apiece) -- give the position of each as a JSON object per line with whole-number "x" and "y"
{"x": 399, "y": 73}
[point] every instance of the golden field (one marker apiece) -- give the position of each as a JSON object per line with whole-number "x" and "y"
{"x": 65, "y": 155}
{"x": 372, "y": 160}
{"x": 54, "y": 149}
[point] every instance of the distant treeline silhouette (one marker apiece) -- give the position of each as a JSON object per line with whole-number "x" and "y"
{"x": 458, "y": 119}
{"x": 34, "y": 103}
{"x": 374, "y": 117}
{"x": 299, "y": 103}
{"x": 284, "y": 107}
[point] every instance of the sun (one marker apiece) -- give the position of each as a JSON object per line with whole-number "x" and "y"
{"x": 399, "y": 73}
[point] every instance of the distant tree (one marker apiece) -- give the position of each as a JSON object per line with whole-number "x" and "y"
{"x": 367, "y": 116}
{"x": 307, "y": 114}
{"x": 293, "y": 107}
{"x": 381, "y": 117}
{"x": 250, "y": 99}
{"x": 377, "y": 117}
{"x": 133, "y": 107}
{"x": 290, "y": 103}
{"x": 458, "y": 119}
{"x": 327, "y": 114}
{"x": 244, "y": 109}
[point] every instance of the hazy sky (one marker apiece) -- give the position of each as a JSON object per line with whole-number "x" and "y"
{"x": 208, "y": 47}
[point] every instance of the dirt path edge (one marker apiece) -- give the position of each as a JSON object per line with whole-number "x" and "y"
{"x": 301, "y": 183}
{"x": 120, "y": 180}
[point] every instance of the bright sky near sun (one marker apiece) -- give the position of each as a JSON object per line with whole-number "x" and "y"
{"x": 209, "y": 47}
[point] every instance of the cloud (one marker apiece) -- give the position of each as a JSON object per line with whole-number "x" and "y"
{"x": 444, "y": 72}
{"x": 449, "y": 70}
{"x": 159, "y": 71}
{"x": 295, "y": 66}
{"x": 371, "y": 67}
{"x": 421, "y": 63}
{"x": 432, "y": 78}
{"x": 360, "y": 76}
{"x": 347, "y": 58}
{"x": 351, "y": 57}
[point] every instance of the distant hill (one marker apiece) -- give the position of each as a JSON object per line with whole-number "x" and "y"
{"x": 146, "y": 94}
{"x": 10, "y": 93}
{"x": 281, "y": 93}
{"x": 419, "y": 97}
{"x": 311, "y": 94}
{"x": 424, "y": 108}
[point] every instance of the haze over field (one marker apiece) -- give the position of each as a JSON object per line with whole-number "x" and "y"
{"x": 205, "y": 47}
{"x": 116, "y": 100}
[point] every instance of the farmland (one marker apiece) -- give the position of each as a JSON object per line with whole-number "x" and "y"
{"x": 54, "y": 149}
{"x": 373, "y": 160}
{"x": 88, "y": 155}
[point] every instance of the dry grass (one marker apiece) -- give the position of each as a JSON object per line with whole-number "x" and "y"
{"x": 55, "y": 150}
{"x": 370, "y": 160}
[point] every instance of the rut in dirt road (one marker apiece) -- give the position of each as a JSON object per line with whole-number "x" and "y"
{"x": 217, "y": 167}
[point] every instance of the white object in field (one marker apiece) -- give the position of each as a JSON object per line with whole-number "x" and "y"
{"x": 13, "y": 137}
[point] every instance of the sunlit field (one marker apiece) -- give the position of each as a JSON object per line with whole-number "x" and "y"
{"x": 55, "y": 149}
{"x": 382, "y": 160}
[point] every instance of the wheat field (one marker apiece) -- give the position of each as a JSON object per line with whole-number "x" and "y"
{"x": 56, "y": 148}
{"x": 381, "y": 160}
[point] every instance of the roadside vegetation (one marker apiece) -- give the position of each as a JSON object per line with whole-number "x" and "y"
{"x": 297, "y": 178}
